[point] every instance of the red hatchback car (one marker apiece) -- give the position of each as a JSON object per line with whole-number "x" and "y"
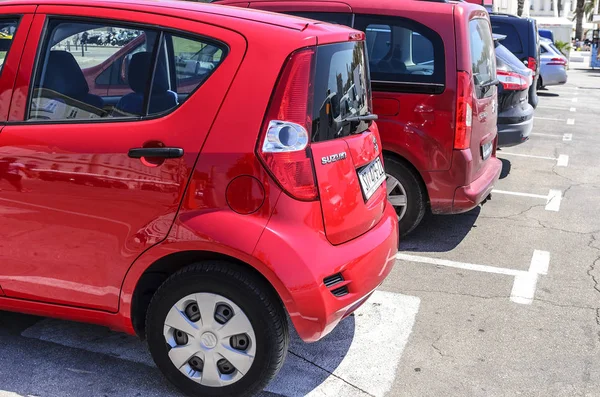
{"x": 202, "y": 204}
{"x": 434, "y": 89}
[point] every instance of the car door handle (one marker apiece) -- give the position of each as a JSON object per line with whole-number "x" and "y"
{"x": 161, "y": 152}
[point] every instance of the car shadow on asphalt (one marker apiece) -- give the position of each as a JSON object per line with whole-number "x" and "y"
{"x": 546, "y": 93}
{"x": 506, "y": 167}
{"x": 440, "y": 233}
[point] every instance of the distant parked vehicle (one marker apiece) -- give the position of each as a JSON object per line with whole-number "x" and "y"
{"x": 515, "y": 113}
{"x": 553, "y": 69}
{"x": 547, "y": 34}
{"x": 523, "y": 40}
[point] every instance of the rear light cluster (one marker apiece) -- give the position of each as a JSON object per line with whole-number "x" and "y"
{"x": 532, "y": 64}
{"x": 284, "y": 146}
{"x": 512, "y": 81}
{"x": 464, "y": 111}
{"x": 558, "y": 61}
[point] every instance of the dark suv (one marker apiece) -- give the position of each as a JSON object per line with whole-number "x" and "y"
{"x": 523, "y": 41}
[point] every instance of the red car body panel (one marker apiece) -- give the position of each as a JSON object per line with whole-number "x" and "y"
{"x": 93, "y": 220}
{"x": 419, "y": 127}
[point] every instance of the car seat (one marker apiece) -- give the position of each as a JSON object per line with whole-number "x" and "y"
{"x": 64, "y": 76}
{"x": 392, "y": 62}
{"x": 161, "y": 98}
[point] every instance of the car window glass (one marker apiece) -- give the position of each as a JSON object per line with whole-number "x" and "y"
{"x": 330, "y": 17}
{"x": 402, "y": 50}
{"x": 512, "y": 40}
{"x": 8, "y": 27}
{"x": 543, "y": 49}
{"x": 74, "y": 55}
{"x": 194, "y": 60}
{"x": 482, "y": 51}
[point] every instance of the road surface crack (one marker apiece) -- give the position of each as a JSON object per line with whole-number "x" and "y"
{"x": 330, "y": 373}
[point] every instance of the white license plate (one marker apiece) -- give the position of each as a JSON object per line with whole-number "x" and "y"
{"x": 371, "y": 177}
{"x": 486, "y": 150}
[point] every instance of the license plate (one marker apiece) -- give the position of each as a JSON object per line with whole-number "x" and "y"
{"x": 486, "y": 150}
{"x": 371, "y": 177}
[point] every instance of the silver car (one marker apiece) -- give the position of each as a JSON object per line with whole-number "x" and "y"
{"x": 553, "y": 65}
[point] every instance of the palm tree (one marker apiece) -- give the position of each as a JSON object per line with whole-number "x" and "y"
{"x": 520, "y": 5}
{"x": 584, "y": 8}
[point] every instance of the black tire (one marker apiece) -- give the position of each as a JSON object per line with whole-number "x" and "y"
{"x": 416, "y": 197}
{"x": 540, "y": 84}
{"x": 252, "y": 295}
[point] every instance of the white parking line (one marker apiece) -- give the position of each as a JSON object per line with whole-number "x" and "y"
{"x": 562, "y": 160}
{"x": 525, "y": 282}
{"x": 567, "y": 137}
{"x": 572, "y": 109}
{"x": 334, "y": 366}
{"x": 548, "y": 118}
{"x": 574, "y": 100}
{"x": 570, "y": 121}
{"x": 553, "y": 199}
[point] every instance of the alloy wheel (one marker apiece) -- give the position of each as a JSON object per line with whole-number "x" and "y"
{"x": 397, "y": 195}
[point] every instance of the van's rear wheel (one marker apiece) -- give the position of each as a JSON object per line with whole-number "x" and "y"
{"x": 406, "y": 194}
{"x": 216, "y": 330}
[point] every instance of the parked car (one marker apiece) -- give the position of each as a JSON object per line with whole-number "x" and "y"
{"x": 515, "y": 113}
{"x": 546, "y": 33}
{"x": 433, "y": 75}
{"x": 553, "y": 70}
{"x": 523, "y": 40}
{"x": 182, "y": 211}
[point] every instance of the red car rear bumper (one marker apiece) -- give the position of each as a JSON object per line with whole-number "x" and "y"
{"x": 363, "y": 263}
{"x": 455, "y": 191}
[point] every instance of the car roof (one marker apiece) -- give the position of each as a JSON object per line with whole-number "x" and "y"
{"x": 381, "y": 6}
{"x": 179, "y": 8}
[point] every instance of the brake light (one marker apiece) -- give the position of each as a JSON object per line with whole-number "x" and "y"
{"x": 464, "y": 111}
{"x": 532, "y": 64}
{"x": 512, "y": 81}
{"x": 284, "y": 146}
{"x": 558, "y": 61}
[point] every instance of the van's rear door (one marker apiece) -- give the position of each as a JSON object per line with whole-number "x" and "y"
{"x": 484, "y": 92}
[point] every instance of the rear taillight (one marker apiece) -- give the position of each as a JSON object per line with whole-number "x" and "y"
{"x": 284, "y": 146}
{"x": 557, "y": 61}
{"x": 512, "y": 81}
{"x": 532, "y": 64}
{"x": 464, "y": 111}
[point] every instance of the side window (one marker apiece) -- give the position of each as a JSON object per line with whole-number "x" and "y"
{"x": 8, "y": 27}
{"x": 482, "y": 52}
{"x": 403, "y": 51}
{"x": 512, "y": 40}
{"x": 329, "y": 17}
{"x": 543, "y": 49}
{"x": 194, "y": 61}
{"x": 92, "y": 71}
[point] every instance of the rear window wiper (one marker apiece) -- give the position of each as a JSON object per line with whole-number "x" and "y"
{"x": 354, "y": 119}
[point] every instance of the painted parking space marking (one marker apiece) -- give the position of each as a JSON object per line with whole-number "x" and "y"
{"x": 524, "y": 284}
{"x": 548, "y": 118}
{"x": 553, "y": 198}
{"x": 334, "y": 366}
{"x": 570, "y": 121}
{"x": 561, "y": 161}
{"x": 572, "y": 109}
{"x": 574, "y": 100}
{"x": 565, "y": 137}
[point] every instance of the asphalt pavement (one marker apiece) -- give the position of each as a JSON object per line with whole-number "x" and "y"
{"x": 501, "y": 301}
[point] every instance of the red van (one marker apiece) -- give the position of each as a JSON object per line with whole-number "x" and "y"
{"x": 434, "y": 82}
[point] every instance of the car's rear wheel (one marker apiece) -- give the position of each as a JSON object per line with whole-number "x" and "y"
{"x": 215, "y": 329}
{"x": 406, "y": 193}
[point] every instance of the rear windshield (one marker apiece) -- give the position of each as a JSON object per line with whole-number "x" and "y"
{"x": 506, "y": 58}
{"x": 512, "y": 40}
{"x": 482, "y": 51}
{"x": 342, "y": 91}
